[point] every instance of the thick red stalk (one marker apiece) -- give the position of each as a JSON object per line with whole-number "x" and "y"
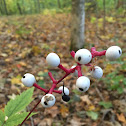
{"x": 52, "y": 88}
{"x": 96, "y": 53}
{"x": 37, "y": 86}
{"x": 63, "y": 68}
{"x": 50, "y": 75}
{"x": 72, "y": 54}
{"x": 78, "y": 68}
{"x": 46, "y": 91}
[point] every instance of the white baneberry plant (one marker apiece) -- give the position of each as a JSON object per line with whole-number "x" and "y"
{"x": 82, "y": 57}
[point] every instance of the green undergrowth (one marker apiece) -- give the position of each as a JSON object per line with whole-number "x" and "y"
{"x": 116, "y": 80}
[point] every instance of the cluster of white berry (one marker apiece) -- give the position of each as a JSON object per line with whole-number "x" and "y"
{"x": 82, "y": 57}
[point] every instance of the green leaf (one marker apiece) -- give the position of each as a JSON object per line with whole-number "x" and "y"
{"x": 106, "y": 105}
{"x": 16, "y": 119}
{"x": 19, "y": 103}
{"x": 93, "y": 115}
{"x": 2, "y": 116}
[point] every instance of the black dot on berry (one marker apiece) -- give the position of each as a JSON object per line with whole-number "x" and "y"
{"x": 81, "y": 89}
{"x": 65, "y": 98}
{"x": 23, "y": 76}
{"x": 45, "y": 103}
{"x": 79, "y": 58}
{"x": 119, "y": 52}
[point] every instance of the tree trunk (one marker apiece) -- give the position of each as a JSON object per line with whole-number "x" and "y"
{"x": 77, "y": 24}
{"x": 1, "y": 11}
{"x": 59, "y": 4}
{"x": 38, "y": 2}
{"x": 19, "y": 8}
{"x": 104, "y": 19}
{"x": 5, "y": 7}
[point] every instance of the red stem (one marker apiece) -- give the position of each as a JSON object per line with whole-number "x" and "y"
{"x": 52, "y": 88}
{"x": 37, "y": 86}
{"x": 50, "y": 75}
{"x": 30, "y": 112}
{"x": 62, "y": 78}
{"x": 46, "y": 91}
{"x": 88, "y": 64}
{"x": 78, "y": 68}
{"x": 96, "y": 53}
{"x": 56, "y": 82}
{"x": 63, "y": 68}
{"x": 72, "y": 54}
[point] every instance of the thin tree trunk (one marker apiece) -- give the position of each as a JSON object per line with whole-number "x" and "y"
{"x": 104, "y": 20}
{"x": 19, "y": 8}
{"x": 35, "y": 6}
{"x": 96, "y": 12}
{"x": 59, "y": 4}
{"x": 77, "y": 24}
{"x": 38, "y": 2}
{"x": 5, "y": 7}
{"x": 124, "y": 6}
{"x": 1, "y": 11}
{"x": 2, "y": 6}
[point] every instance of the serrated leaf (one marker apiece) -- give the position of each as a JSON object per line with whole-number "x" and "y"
{"x": 19, "y": 103}
{"x": 2, "y": 116}
{"x": 106, "y": 105}
{"x": 93, "y": 115}
{"x": 16, "y": 119}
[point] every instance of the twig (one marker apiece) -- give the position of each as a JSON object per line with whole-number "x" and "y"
{"x": 30, "y": 112}
{"x": 99, "y": 93}
{"x": 32, "y": 122}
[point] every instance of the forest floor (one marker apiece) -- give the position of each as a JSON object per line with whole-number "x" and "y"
{"x": 25, "y": 42}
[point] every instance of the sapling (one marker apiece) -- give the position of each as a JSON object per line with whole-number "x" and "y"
{"x": 82, "y": 57}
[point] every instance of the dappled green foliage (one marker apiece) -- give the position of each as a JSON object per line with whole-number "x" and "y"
{"x": 10, "y": 7}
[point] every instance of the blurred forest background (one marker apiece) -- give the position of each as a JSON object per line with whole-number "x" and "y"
{"x": 23, "y": 7}
{"x": 30, "y": 29}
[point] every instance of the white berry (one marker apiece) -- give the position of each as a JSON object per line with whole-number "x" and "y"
{"x": 83, "y": 83}
{"x": 97, "y": 72}
{"x": 113, "y": 53}
{"x": 76, "y": 72}
{"x": 53, "y": 59}
{"x": 66, "y": 90}
{"x": 48, "y": 100}
{"x": 28, "y": 80}
{"x": 83, "y": 56}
